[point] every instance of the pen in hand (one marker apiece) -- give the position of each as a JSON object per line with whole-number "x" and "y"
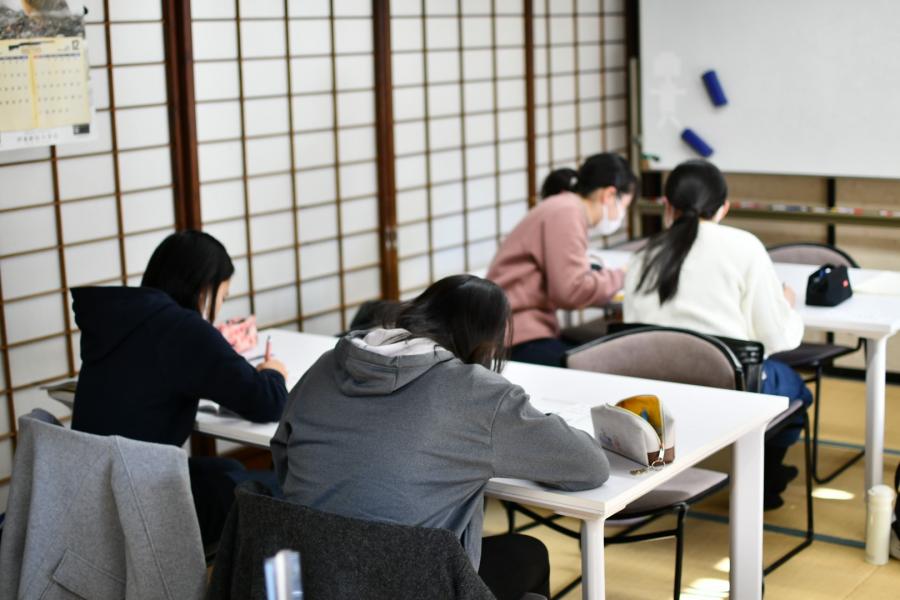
{"x": 268, "y": 353}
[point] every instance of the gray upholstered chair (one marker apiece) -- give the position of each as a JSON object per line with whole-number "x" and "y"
{"x": 816, "y": 357}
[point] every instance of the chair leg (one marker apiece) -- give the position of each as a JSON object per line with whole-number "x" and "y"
{"x": 510, "y": 516}
{"x": 815, "y": 444}
{"x": 679, "y": 549}
{"x": 810, "y": 530}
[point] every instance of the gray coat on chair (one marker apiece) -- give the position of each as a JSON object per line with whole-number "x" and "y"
{"x": 99, "y": 517}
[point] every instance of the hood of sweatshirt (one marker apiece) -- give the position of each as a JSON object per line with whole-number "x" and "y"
{"x": 382, "y": 361}
{"x": 106, "y": 316}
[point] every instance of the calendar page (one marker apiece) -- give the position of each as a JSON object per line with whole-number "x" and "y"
{"x": 44, "y": 75}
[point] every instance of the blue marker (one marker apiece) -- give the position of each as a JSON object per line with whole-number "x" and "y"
{"x": 714, "y": 88}
{"x": 697, "y": 143}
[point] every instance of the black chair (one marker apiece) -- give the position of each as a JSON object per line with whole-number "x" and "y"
{"x": 816, "y": 357}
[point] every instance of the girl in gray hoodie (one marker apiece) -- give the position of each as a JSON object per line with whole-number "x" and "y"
{"x": 407, "y": 424}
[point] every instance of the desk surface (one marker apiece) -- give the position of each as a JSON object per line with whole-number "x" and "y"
{"x": 868, "y": 315}
{"x": 707, "y": 420}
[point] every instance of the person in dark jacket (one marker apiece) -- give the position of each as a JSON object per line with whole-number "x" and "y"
{"x": 150, "y": 353}
{"x": 407, "y": 424}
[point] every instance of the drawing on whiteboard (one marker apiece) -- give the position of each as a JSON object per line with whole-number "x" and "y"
{"x": 666, "y": 72}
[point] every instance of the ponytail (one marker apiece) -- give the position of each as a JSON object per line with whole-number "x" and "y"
{"x": 696, "y": 189}
{"x": 559, "y": 181}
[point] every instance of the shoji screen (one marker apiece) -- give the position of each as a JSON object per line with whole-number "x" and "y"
{"x": 285, "y": 124}
{"x": 580, "y": 81}
{"x": 459, "y": 133}
{"x": 82, "y": 214}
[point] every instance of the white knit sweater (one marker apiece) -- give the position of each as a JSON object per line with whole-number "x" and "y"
{"x": 728, "y": 287}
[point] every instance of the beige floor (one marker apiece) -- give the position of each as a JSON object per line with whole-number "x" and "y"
{"x": 826, "y": 570}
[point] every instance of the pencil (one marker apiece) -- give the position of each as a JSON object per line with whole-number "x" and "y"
{"x": 268, "y": 348}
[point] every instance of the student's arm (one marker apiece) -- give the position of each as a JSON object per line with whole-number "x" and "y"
{"x": 528, "y": 444}
{"x": 773, "y": 320}
{"x": 204, "y": 365}
{"x": 571, "y": 283}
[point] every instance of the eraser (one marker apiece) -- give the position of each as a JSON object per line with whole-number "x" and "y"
{"x": 714, "y": 88}
{"x": 696, "y": 142}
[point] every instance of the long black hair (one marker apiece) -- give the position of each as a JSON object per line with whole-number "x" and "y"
{"x": 697, "y": 190}
{"x": 189, "y": 266}
{"x": 559, "y": 181}
{"x": 465, "y": 314}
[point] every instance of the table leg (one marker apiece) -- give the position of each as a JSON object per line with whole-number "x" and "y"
{"x": 876, "y": 353}
{"x": 592, "y": 568}
{"x": 746, "y": 516}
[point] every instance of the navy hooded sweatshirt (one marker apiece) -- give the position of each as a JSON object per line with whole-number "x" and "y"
{"x": 146, "y": 362}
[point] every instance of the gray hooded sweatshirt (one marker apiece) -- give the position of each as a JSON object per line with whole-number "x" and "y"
{"x": 407, "y": 433}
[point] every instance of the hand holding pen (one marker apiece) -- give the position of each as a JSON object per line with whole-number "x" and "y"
{"x": 271, "y": 363}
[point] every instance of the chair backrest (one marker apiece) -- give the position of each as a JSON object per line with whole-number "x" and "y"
{"x": 340, "y": 557}
{"x": 811, "y": 253}
{"x": 663, "y": 353}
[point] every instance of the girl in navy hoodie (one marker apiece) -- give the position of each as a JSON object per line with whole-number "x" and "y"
{"x": 150, "y": 353}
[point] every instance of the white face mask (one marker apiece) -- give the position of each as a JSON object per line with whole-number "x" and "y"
{"x": 608, "y": 226}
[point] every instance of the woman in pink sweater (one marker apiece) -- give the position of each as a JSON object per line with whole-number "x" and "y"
{"x": 542, "y": 265}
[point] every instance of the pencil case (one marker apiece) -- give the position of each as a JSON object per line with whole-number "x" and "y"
{"x": 639, "y": 428}
{"x": 240, "y": 333}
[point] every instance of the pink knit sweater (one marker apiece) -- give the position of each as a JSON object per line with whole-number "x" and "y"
{"x": 542, "y": 266}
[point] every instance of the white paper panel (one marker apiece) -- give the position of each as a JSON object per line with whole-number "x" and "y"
{"x": 261, "y": 8}
{"x": 313, "y": 112}
{"x": 18, "y": 274}
{"x": 510, "y": 31}
{"x": 360, "y": 250}
{"x": 124, "y": 10}
{"x": 414, "y": 273}
{"x": 560, "y": 7}
{"x": 589, "y": 29}
{"x": 406, "y": 34}
{"x": 271, "y": 231}
{"x": 589, "y": 56}
{"x": 447, "y": 231}
{"x": 220, "y": 161}
{"x": 412, "y": 239}
{"x": 357, "y": 144}
{"x": 561, "y": 30}
{"x": 352, "y": 8}
{"x": 445, "y": 133}
{"x": 512, "y": 155}
{"x": 477, "y": 64}
{"x": 443, "y": 100}
{"x": 147, "y": 210}
{"x": 139, "y": 85}
{"x": 139, "y": 248}
{"x": 329, "y": 324}
{"x": 513, "y": 186}
{"x": 137, "y": 43}
{"x": 86, "y": 220}
{"x": 27, "y": 229}
{"x": 482, "y": 223}
{"x": 218, "y": 121}
{"x": 539, "y": 26}
{"x": 512, "y": 125}
{"x": 353, "y": 35}
{"x": 320, "y": 295}
{"x": 449, "y": 262}
{"x": 614, "y": 56}
{"x": 441, "y": 33}
{"x": 409, "y": 103}
{"x": 406, "y": 7}
{"x": 221, "y": 200}
{"x": 142, "y": 127}
{"x": 443, "y": 66}
{"x": 479, "y": 96}
{"x": 406, "y": 69}
{"x": 412, "y": 205}
{"x": 360, "y": 286}
{"x": 481, "y": 192}
{"x": 317, "y": 223}
{"x": 145, "y": 168}
{"x": 234, "y": 308}
{"x": 511, "y": 94}
{"x": 272, "y": 269}
{"x": 511, "y": 214}
{"x": 215, "y": 81}
{"x": 92, "y": 263}
{"x": 446, "y": 199}
{"x": 563, "y": 88}
{"x": 311, "y": 36}
{"x": 355, "y": 72}
{"x": 201, "y": 9}
{"x": 309, "y": 8}
{"x": 479, "y": 128}
{"x": 562, "y": 59}
{"x": 276, "y": 306}
{"x": 541, "y": 93}
{"x": 102, "y": 143}
{"x": 319, "y": 259}
{"x": 359, "y": 215}
{"x": 99, "y": 88}
{"x": 564, "y": 148}
{"x": 34, "y": 318}
{"x": 481, "y": 254}
{"x": 214, "y": 40}
{"x": 511, "y": 63}
{"x": 589, "y": 114}
{"x": 270, "y": 193}
{"x": 314, "y": 149}
{"x": 446, "y": 166}
{"x": 310, "y": 75}
{"x": 589, "y": 86}
{"x": 409, "y": 137}
{"x": 358, "y": 180}
{"x": 73, "y": 183}
{"x": 615, "y": 83}
{"x": 563, "y": 117}
{"x": 591, "y": 142}
{"x": 614, "y": 28}
{"x": 356, "y": 108}
{"x": 264, "y": 77}
{"x": 262, "y": 39}
{"x": 232, "y": 235}
{"x": 240, "y": 281}
{"x": 477, "y": 32}
{"x": 268, "y": 155}
{"x": 315, "y": 186}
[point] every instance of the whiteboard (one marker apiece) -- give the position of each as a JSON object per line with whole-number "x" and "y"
{"x": 813, "y": 86}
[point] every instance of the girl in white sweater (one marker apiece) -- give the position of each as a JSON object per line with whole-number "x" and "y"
{"x": 719, "y": 280}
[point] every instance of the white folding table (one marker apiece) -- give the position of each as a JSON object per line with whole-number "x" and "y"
{"x": 873, "y": 317}
{"x": 707, "y": 420}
